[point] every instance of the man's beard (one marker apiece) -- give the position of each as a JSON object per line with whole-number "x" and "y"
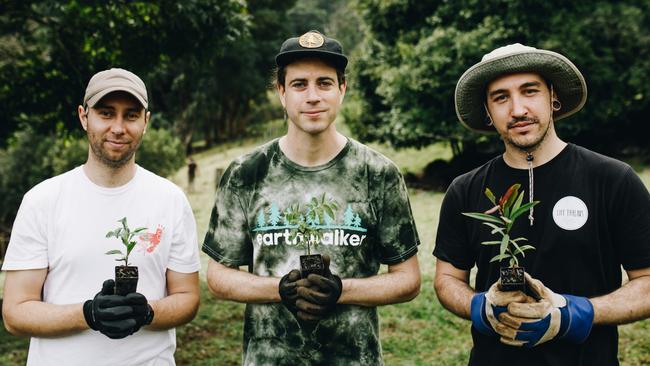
{"x": 105, "y": 159}
{"x": 530, "y": 146}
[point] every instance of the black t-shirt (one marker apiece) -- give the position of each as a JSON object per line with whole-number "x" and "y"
{"x": 593, "y": 217}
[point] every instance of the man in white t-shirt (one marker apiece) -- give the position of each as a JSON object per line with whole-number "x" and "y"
{"x": 56, "y": 261}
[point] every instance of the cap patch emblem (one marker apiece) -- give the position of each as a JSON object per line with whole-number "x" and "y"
{"x": 311, "y": 40}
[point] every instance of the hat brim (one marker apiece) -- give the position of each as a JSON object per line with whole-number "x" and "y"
{"x": 97, "y": 97}
{"x": 285, "y": 58}
{"x": 470, "y": 95}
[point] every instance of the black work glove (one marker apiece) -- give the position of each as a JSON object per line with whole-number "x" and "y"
{"x": 287, "y": 289}
{"x": 318, "y": 295}
{"x": 110, "y": 314}
{"x": 142, "y": 311}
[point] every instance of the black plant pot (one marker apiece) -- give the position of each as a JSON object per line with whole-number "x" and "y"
{"x": 512, "y": 279}
{"x": 126, "y": 279}
{"x": 312, "y": 263}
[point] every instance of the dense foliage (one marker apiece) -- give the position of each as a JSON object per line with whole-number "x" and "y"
{"x": 205, "y": 63}
{"x": 414, "y": 52}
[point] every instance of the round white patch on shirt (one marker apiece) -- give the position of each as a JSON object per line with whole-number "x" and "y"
{"x": 570, "y": 213}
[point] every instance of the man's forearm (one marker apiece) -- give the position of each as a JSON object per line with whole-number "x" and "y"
{"x": 625, "y": 305}
{"x": 174, "y": 310}
{"x": 383, "y": 289}
{"x": 232, "y": 284}
{"x": 38, "y": 319}
{"x": 454, "y": 294}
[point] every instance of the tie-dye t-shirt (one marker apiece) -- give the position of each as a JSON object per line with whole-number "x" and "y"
{"x": 373, "y": 225}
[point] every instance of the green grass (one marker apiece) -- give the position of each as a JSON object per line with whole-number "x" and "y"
{"x": 420, "y": 332}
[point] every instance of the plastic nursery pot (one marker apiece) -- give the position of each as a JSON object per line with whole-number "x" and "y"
{"x": 512, "y": 279}
{"x": 312, "y": 263}
{"x": 126, "y": 279}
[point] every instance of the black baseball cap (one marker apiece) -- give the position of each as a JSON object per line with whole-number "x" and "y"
{"x": 312, "y": 44}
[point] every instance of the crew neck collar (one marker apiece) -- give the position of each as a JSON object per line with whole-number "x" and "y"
{"x": 297, "y": 167}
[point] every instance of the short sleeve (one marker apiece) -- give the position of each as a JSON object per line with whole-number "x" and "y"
{"x": 397, "y": 233}
{"x": 227, "y": 240}
{"x": 631, "y": 203}
{"x": 451, "y": 239}
{"x": 28, "y": 243}
{"x": 184, "y": 255}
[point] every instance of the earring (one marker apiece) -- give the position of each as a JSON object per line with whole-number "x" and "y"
{"x": 488, "y": 121}
{"x": 556, "y": 105}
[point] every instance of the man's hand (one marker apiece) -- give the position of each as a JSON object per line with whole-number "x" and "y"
{"x": 110, "y": 314}
{"x": 486, "y": 308}
{"x": 142, "y": 311}
{"x": 318, "y": 295}
{"x": 553, "y": 317}
{"x": 288, "y": 290}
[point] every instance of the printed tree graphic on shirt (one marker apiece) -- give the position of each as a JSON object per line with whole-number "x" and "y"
{"x": 285, "y": 218}
{"x": 357, "y": 221}
{"x": 261, "y": 221}
{"x": 312, "y": 220}
{"x": 327, "y": 219}
{"x": 274, "y": 214}
{"x": 348, "y": 216}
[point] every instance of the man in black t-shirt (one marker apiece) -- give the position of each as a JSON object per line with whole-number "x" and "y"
{"x": 592, "y": 218}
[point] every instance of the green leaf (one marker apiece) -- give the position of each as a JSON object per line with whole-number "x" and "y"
{"x": 483, "y": 217}
{"x": 113, "y": 233}
{"x": 114, "y": 251}
{"x": 496, "y": 229}
{"x": 524, "y": 208}
{"x": 490, "y": 196}
{"x": 492, "y": 242}
{"x": 523, "y": 248}
{"x": 124, "y": 225}
{"x": 504, "y": 243}
{"x": 330, "y": 212}
{"x": 517, "y": 204}
{"x": 506, "y": 220}
{"x": 138, "y": 230}
{"x": 500, "y": 257}
{"x": 518, "y": 239}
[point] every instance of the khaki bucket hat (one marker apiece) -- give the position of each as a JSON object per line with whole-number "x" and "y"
{"x": 568, "y": 83}
{"x": 112, "y": 80}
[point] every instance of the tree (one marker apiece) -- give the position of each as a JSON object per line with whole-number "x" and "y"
{"x": 414, "y": 52}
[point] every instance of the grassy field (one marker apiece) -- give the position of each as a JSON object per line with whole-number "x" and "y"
{"x": 420, "y": 332}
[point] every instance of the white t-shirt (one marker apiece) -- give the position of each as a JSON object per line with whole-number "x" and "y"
{"x": 62, "y": 224}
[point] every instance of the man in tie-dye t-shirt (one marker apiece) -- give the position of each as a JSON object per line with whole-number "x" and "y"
{"x": 331, "y": 318}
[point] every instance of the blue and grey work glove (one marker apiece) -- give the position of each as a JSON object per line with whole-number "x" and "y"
{"x": 486, "y": 307}
{"x": 110, "y": 314}
{"x": 318, "y": 295}
{"x": 555, "y": 316}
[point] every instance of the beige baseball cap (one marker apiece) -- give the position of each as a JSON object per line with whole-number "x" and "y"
{"x": 112, "y": 80}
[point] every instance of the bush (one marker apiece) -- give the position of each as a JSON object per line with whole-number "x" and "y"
{"x": 161, "y": 152}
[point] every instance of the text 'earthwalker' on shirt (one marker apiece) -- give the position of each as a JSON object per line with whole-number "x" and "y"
{"x": 337, "y": 237}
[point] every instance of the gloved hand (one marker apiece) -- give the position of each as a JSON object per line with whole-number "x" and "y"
{"x": 287, "y": 289}
{"x": 555, "y": 316}
{"x": 318, "y": 295}
{"x": 142, "y": 311}
{"x": 486, "y": 307}
{"x": 109, "y": 314}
